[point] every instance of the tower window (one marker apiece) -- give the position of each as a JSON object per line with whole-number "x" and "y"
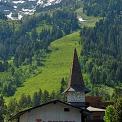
{"x": 66, "y": 109}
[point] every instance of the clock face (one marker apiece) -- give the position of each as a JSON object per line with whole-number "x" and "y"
{"x": 76, "y": 97}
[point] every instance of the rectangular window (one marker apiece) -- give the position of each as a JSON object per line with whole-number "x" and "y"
{"x": 38, "y": 120}
{"x": 66, "y": 109}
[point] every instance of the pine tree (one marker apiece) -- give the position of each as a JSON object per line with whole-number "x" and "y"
{"x": 109, "y": 113}
{"x": 12, "y": 108}
{"x": 52, "y": 95}
{"x": 114, "y": 112}
{"x": 63, "y": 85}
{"x": 28, "y": 101}
{"x": 45, "y": 97}
{"x": 23, "y": 101}
{"x": 36, "y": 99}
{"x": 2, "y": 109}
{"x": 118, "y": 110}
{"x": 40, "y": 96}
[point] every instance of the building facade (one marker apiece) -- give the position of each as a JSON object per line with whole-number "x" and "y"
{"x": 54, "y": 111}
{"x": 75, "y": 109}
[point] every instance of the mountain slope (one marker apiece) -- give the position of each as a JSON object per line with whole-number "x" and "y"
{"x": 56, "y": 66}
{"x": 16, "y": 9}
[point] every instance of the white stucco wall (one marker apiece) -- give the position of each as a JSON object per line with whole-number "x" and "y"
{"x": 52, "y": 112}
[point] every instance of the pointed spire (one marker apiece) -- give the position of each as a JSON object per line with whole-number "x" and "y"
{"x": 76, "y": 82}
{"x": 76, "y": 76}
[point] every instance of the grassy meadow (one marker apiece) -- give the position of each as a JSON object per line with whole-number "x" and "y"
{"x": 90, "y": 21}
{"x": 57, "y": 65}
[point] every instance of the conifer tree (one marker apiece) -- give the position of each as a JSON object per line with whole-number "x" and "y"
{"x": 46, "y": 96}
{"x": 109, "y": 113}
{"x": 36, "y": 99}
{"x": 63, "y": 85}
{"x": 118, "y": 110}
{"x": 2, "y": 109}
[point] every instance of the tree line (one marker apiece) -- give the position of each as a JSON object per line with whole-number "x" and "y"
{"x": 26, "y": 101}
{"x": 100, "y": 7}
{"x": 18, "y": 42}
{"x": 102, "y": 48}
{"x": 22, "y": 45}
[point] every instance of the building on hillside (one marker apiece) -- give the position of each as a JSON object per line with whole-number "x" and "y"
{"x": 76, "y": 109}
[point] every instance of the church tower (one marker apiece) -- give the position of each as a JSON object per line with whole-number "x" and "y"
{"x": 76, "y": 89}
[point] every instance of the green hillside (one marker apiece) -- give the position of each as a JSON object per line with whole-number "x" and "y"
{"x": 57, "y": 65}
{"x": 90, "y": 21}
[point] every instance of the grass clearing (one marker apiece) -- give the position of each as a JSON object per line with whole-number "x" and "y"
{"x": 57, "y": 65}
{"x": 90, "y": 20}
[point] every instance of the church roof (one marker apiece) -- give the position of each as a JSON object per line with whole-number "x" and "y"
{"x": 76, "y": 82}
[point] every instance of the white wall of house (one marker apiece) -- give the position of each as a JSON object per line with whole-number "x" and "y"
{"x": 52, "y": 112}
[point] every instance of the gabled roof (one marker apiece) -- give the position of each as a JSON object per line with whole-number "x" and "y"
{"x": 76, "y": 82}
{"x": 54, "y": 101}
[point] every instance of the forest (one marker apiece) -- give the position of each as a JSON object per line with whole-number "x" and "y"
{"x": 24, "y": 45}
{"x": 102, "y": 48}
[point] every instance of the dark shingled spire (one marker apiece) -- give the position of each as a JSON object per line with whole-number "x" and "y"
{"x": 76, "y": 82}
